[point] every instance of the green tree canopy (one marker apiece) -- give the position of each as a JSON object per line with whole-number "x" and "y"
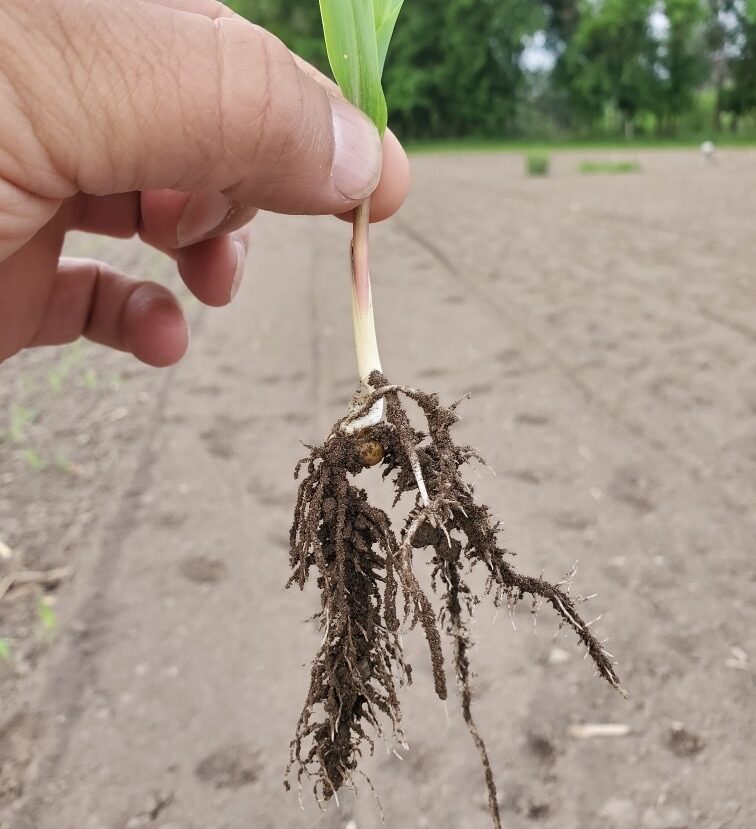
{"x": 610, "y": 59}
{"x": 681, "y": 62}
{"x": 455, "y": 67}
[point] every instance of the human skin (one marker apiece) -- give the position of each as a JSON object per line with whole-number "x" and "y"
{"x": 173, "y": 120}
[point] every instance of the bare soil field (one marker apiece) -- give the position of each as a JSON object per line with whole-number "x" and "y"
{"x": 152, "y": 666}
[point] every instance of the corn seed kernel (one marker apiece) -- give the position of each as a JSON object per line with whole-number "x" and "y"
{"x": 371, "y": 452}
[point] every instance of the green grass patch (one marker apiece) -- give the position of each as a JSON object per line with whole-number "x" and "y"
{"x": 537, "y": 164}
{"x": 519, "y": 145}
{"x": 612, "y": 167}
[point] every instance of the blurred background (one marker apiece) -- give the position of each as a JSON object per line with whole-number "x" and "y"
{"x": 573, "y": 258}
{"x": 556, "y": 69}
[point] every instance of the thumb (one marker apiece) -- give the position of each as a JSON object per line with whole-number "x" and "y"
{"x": 139, "y": 96}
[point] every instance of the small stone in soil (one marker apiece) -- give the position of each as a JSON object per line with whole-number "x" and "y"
{"x": 684, "y": 743}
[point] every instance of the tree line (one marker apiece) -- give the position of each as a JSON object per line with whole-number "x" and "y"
{"x": 543, "y": 68}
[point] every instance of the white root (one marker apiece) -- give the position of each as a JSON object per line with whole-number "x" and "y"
{"x": 373, "y": 417}
{"x": 418, "y": 473}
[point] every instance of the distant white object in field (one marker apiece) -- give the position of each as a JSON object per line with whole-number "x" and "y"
{"x": 708, "y": 152}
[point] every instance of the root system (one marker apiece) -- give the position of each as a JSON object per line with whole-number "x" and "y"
{"x": 369, "y": 589}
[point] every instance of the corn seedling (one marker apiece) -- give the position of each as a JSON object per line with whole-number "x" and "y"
{"x": 90, "y": 379}
{"x": 365, "y": 566}
{"x": 55, "y": 380}
{"x": 34, "y": 460}
{"x": 537, "y": 164}
{"x": 610, "y": 167}
{"x": 46, "y": 616}
{"x": 20, "y": 419}
{"x": 70, "y": 358}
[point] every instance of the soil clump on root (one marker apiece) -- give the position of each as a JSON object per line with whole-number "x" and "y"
{"x": 364, "y": 565}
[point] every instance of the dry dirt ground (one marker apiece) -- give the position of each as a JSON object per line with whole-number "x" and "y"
{"x": 606, "y": 329}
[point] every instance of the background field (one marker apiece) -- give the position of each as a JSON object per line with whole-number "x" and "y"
{"x": 605, "y": 327}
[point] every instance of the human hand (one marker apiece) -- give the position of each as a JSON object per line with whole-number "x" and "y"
{"x": 172, "y": 119}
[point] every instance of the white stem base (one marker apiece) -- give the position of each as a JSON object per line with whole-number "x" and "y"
{"x": 365, "y": 340}
{"x": 373, "y": 417}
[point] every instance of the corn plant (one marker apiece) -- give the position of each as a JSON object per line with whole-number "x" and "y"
{"x": 612, "y": 167}
{"x": 357, "y": 36}
{"x": 366, "y": 571}
{"x": 537, "y": 164}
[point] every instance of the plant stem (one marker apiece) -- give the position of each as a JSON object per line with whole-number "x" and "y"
{"x": 365, "y": 341}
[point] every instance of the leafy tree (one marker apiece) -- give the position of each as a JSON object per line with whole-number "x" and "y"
{"x": 721, "y": 33}
{"x": 413, "y": 78}
{"x": 454, "y": 67}
{"x": 610, "y": 59}
{"x": 562, "y": 18}
{"x": 482, "y": 48}
{"x": 740, "y": 97}
{"x": 456, "y": 70}
{"x": 682, "y": 65}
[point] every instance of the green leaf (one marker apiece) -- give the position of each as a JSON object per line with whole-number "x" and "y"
{"x": 386, "y": 14}
{"x": 349, "y": 27}
{"x": 5, "y": 651}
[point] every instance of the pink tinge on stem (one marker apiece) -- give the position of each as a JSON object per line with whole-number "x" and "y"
{"x": 366, "y": 344}
{"x": 361, "y": 263}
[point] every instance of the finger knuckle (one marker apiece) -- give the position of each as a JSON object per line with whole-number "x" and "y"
{"x": 271, "y": 94}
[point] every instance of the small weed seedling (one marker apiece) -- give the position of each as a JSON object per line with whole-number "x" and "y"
{"x": 365, "y": 566}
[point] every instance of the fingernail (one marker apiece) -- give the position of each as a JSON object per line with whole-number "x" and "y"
{"x": 204, "y": 213}
{"x": 241, "y": 260}
{"x": 357, "y": 159}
